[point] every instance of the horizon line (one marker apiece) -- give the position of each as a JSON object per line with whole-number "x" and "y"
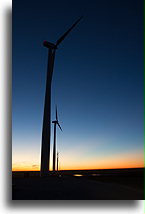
{"x": 79, "y": 169}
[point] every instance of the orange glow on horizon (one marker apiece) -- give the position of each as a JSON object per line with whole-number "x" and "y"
{"x": 103, "y": 165}
{"x": 79, "y": 162}
{"x": 25, "y": 169}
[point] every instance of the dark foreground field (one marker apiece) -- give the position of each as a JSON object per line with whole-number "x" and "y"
{"x": 119, "y": 184}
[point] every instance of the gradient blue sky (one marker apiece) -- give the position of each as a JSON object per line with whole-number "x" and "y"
{"x": 97, "y": 82}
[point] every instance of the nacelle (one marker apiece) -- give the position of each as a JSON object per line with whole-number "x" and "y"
{"x": 49, "y": 45}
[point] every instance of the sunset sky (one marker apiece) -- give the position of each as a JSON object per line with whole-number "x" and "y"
{"x": 97, "y": 82}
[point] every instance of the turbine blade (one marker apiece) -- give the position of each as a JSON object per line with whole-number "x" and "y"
{"x": 59, "y": 126}
{"x": 66, "y": 33}
{"x": 56, "y": 113}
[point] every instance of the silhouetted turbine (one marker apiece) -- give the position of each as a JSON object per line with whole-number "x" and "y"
{"x": 54, "y": 145}
{"x": 45, "y": 149}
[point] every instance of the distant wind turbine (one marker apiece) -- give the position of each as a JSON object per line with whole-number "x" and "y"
{"x": 54, "y": 145}
{"x": 45, "y": 147}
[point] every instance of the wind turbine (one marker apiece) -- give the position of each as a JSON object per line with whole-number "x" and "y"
{"x": 54, "y": 145}
{"x": 45, "y": 146}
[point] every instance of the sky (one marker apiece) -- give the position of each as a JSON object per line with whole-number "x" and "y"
{"x": 97, "y": 82}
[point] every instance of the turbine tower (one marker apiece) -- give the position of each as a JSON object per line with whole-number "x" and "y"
{"x": 57, "y": 161}
{"x": 54, "y": 145}
{"x": 45, "y": 146}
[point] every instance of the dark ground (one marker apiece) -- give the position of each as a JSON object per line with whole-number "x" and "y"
{"x": 94, "y": 184}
